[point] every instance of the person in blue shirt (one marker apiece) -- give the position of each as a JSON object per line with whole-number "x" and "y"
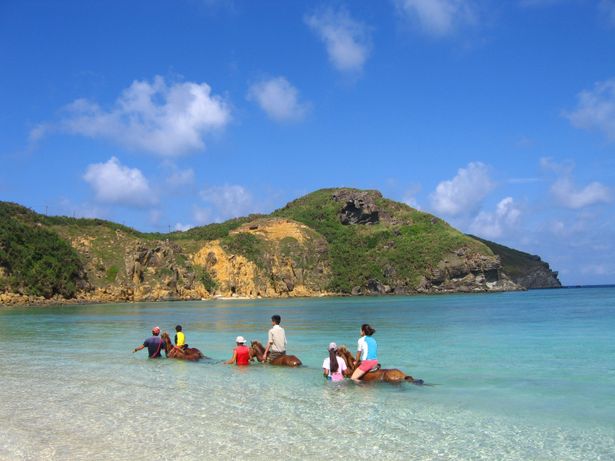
{"x": 367, "y": 352}
{"x": 154, "y": 344}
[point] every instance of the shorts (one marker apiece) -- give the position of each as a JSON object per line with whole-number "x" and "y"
{"x": 337, "y": 376}
{"x": 274, "y": 355}
{"x": 367, "y": 365}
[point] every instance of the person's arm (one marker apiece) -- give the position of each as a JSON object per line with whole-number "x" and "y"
{"x": 325, "y": 368}
{"x": 176, "y": 339}
{"x": 138, "y": 348}
{"x": 269, "y": 343}
{"x": 233, "y": 359}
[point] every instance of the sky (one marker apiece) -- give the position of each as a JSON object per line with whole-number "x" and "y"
{"x": 497, "y": 116}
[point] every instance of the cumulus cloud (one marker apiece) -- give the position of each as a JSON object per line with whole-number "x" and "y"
{"x": 596, "y": 109}
{"x": 114, "y": 183}
{"x": 464, "y": 193}
{"x": 228, "y": 201}
{"x": 438, "y": 17}
{"x": 348, "y": 42}
{"x": 567, "y": 194}
{"x": 165, "y": 119}
{"x": 493, "y": 224}
{"x": 570, "y": 196}
{"x": 279, "y": 99}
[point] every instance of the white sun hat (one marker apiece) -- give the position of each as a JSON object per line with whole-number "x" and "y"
{"x": 240, "y": 340}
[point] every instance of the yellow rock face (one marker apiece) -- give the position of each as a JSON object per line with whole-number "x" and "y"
{"x": 234, "y": 274}
{"x": 275, "y": 229}
{"x": 238, "y": 276}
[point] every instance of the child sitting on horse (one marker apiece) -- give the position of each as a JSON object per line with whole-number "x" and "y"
{"x": 180, "y": 338}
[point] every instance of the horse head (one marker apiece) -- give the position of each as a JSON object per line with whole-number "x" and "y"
{"x": 257, "y": 350}
{"x": 344, "y": 353}
{"x": 166, "y": 339}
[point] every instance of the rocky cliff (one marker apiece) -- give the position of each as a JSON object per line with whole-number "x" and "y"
{"x": 525, "y": 269}
{"x": 333, "y": 241}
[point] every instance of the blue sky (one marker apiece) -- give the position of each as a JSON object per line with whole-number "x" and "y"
{"x": 496, "y": 116}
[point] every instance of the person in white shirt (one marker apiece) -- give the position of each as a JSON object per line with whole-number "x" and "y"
{"x": 276, "y": 344}
{"x": 334, "y": 366}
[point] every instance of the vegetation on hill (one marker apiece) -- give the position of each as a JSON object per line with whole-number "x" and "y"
{"x": 355, "y": 242}
{"x": 33, "y": 259}
{"x": 397, "y": 250}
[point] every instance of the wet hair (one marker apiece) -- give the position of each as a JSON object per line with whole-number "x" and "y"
{"x": 333, "y": 365}
{"x": 276, "y": 318}
{"x": 367, "y": 329}
{"x": 178, "y": 328}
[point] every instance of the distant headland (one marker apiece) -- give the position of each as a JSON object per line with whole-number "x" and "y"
{"x": 330, "y": 242}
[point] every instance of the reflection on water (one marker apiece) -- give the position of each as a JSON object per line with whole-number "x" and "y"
{"x": 519, "y": 376}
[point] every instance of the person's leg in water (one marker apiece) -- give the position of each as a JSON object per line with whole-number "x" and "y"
{"x": 356, "y": 376}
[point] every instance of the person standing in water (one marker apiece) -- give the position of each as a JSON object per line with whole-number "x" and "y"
{"x": 334, "y": 365}
{"x": 241, "y": 354}
{"x": 154, "y": 344}
{"x": 367, "y": 352}
{"x": 276, "y": 344}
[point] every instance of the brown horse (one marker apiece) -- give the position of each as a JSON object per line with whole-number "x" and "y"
{"x": 258, "y": 351}
{"x": 174, "y": 352}
{"x": 390, "y": 375}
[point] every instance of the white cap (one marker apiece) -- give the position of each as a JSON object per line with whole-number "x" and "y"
{"x": 332, "y": 346}
{"x": 240, "y": 340}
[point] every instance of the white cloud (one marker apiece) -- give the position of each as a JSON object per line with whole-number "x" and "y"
{"x": 228, "y": 201}
{"x": 180, "y": 178}
{"x": 279, "y": 99}
{"x": 596, "y": 109}
{"x": 115, "y": 183}
{"x": 464, "y": 193}
{"x": 438, "y": 17}
{"x": 493, "y": 225}
{"x": 567, "y": 194}
{"x": 149, "y": 116}
{"x": 347, "y": 41}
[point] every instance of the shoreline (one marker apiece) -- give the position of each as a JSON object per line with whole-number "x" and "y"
{"x": 39, "y": 302}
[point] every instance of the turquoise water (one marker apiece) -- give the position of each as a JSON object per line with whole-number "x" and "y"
{"x": 517, "y": 376}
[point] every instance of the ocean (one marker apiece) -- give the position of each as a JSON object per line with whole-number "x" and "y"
{"x": 524, "y": 375}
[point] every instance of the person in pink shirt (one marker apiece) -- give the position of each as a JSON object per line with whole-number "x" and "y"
{"x": 334, "y": 365}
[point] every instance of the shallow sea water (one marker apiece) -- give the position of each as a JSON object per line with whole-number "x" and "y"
{"x": 516, "y": 376}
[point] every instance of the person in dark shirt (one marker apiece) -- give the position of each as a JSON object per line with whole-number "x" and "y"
{"x": 154, "y": 344}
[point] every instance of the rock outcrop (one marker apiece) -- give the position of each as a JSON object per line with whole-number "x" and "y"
{"x": 526, "y": 270}
{"x": 358, "y": 207}
{"x": 333, "y": 241}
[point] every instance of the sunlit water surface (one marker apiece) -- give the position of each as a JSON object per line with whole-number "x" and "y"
{"x": 516, "y": 376}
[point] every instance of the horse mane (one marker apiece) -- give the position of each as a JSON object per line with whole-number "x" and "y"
{"x": 166, "y": 339}
{"x": 344, "y": 353}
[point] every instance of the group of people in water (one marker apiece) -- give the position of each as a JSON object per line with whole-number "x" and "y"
{"x": 334, "y": 366}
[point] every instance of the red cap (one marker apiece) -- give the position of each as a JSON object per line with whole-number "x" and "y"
{"x": 156, "y": 330}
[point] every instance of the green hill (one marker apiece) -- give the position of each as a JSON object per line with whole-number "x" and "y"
{"x": 332, "y": 241}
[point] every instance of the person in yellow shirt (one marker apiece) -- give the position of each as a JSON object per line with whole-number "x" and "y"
{"x": 180, "y": 338}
